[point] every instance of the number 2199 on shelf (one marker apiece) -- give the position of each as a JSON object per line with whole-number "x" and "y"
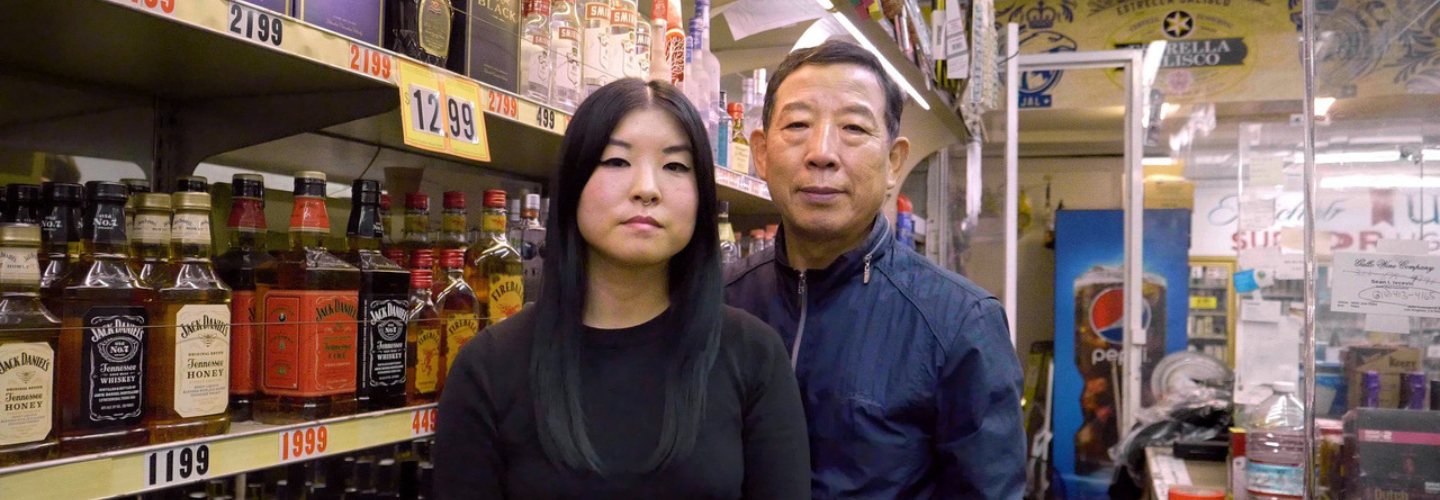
{"x": 304, "y": 443}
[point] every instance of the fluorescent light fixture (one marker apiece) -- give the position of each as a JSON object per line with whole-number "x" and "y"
{"x": 1167, "y": 108}
{"x": 1154, "y": 55}
{"x": 1322, "y": 105}
{"x": 1379, "y": 181}
{"x": 894, "y": 73}
{"x": 815, "y": 35}
{"x": 825, "y": 4}
{"x": 1157, "y": 161}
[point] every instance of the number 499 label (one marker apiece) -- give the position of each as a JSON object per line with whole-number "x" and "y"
{"x": 179, "y": 464}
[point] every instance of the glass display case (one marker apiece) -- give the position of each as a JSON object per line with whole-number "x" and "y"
{"x": 1211, "y": 326}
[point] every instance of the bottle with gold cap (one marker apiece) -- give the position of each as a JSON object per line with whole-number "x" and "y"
{"x": 150, "y": 238}
{"x": 28, "y": 343}
{"x": 309, "y": 300}
{"x": 134, "y": 187}
{"x": 493, "y": 267}
{"x": 192, "y": 184}
{"x": 189, "y": 365}
{"x": 106, "y": 316}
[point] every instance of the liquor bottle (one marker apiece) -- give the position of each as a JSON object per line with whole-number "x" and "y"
{"x": 106, "y": 319}
{"x": 237, "y": 268}
{"x": 453, "y": 235}
{"x": 192, "y": 184}
{"x": 754, "y": 100}
{"x": 188, "y": 367}
{"x": 622, "y": 36}
{"x": 535, "y": 57}
{"x": 135, "y": 187}
{"x": 595, "y": 48}
{"x": 565, "y": 51}
{"x": 29, "y": 335}
{"x": 668, "y": 63}
{"x": 417, "y": 226}
{"x": 423, "y": 360}
{"x": 309, "y": 300}
{"x": 729, "y": 249}
{"x": 720, "y": 134}
{"x": 59, "y": 236}
{"x": 384, "y": 306}
{"x": 739, "y": 142}
{"x": 393, "y": 227}
{"x": 150, "y": 243}
{"x": 514, "y": 225}
{"x": 420, "y": 29}
{"x": 460, "y": 309}
{"x": 23, "y": 204}
{"x": 638, "y": 63}
{"x": 493, "y": 268}
{"x": 532, "y": 248}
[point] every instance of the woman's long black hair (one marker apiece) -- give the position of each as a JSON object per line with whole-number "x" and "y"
{"x": 695, "y": 287}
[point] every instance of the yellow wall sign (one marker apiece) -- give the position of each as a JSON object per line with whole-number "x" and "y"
{"x": 439, "y": 113}
{"x": 1202, "y": 302}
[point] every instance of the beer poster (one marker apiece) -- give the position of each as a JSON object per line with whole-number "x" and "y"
{"x": 1089, "y": 308}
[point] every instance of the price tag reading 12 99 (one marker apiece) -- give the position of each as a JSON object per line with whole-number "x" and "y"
{"x": 425, "y": 110}
{"x": 304, "y": 443}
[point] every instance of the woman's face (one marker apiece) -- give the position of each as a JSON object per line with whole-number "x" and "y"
{"x": 638, "y": 209}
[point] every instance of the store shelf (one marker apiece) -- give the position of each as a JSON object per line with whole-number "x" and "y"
{"x": 747, "y": 195}
{"x": 249, "y": 446}
{"x": 1209, "y": 312}
{"x": 111, "y": 70}
{"x": 1199, "y": 338}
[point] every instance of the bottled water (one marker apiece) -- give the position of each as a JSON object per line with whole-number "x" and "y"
{"x": 1275, "y": 447}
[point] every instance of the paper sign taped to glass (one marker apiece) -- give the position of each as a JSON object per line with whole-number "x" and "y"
{"x": 1393, "y": 284}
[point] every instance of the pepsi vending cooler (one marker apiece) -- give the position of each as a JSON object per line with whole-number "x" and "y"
{"x": 1089, "y": 311}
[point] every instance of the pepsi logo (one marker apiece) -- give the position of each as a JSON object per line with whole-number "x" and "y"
{"x": 1107, "y": 315}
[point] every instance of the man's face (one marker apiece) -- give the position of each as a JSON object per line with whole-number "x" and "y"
{"x": 826, "y": 153}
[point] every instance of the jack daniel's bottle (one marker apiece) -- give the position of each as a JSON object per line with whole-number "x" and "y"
{"x": 384, "y": 306}
{"x": 310, "y": 303}
{"x": 60, "y": 238}
{"x": 106, "y": 316}
{"x": 189, "y": 364}
{"x": 28, "y": 334}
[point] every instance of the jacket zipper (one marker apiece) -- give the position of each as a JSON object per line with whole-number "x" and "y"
{"x": 800, "y": 330}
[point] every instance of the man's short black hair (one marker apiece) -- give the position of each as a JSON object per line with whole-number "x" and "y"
{"x": 838, "y": 52}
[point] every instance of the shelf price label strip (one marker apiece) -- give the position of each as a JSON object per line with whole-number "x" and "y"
{"x": 130, "y": 472}
{"x": 441, "y": 112}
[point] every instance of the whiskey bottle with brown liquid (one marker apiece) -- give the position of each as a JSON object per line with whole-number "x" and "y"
{"x": 459, "y": 308}
{"x": 29, "y": 334}
{"x": 236, "y": 268}
{"x": 423, "y": 359}
{"x": 150, "y": 237}
{"x": 135, "y": 187}
{"x": 493, "y": 268}
{"x": 59, "y": 237}
{"x": 384, "y": 306}
{"x": 23, "y": 204}
{"x": 417, "y": 226}
{"x": 106, "y": 318}
{"x": 189, "y": 363}
{"x": 310, "y": 303}
{"x": 452, "y": 226}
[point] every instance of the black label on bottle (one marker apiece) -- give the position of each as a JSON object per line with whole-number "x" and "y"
{"x": 382, "y": 340}
{"x": 112, "y": 359}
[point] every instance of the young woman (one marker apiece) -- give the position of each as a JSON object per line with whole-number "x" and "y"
{"x": 629, "y": 378}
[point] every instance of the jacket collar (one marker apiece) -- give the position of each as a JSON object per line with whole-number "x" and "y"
{"x": 858, "y": 260}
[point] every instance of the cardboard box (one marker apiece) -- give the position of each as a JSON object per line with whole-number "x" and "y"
{"x": 359, "y": 19}
{"x": 1391, "y": 361}
{"x": 493, "y": 54}
{"x": 1392, "y": 454}
{"x": 281, "y": 6}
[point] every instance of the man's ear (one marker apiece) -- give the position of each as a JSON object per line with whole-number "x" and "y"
{"x": 757, "y": 154}
{"x": 899, "y": 151}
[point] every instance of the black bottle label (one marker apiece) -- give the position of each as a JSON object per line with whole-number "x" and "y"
{"x": 112, "y": 358}
{"x": 382, "y": 340}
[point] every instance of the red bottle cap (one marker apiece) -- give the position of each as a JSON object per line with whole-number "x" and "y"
{"x": 417, "y": 201}
{"x": 421, "y": 279}
{"x": 422, "y": 259}
{"x": 451, "y": 259}
{"x": 735, "y": 109}
{"x": 454, "y": 200}
{"x": 384, "y": 200}
{"x": 494, "y": 198}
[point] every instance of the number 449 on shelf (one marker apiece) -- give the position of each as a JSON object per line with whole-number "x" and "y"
{"x": 422, "y": 422}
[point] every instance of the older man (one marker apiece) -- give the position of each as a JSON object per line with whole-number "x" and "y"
{"x": 909, "y": 381}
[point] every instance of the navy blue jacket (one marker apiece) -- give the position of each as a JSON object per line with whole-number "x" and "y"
{"x": 910, "y": 384}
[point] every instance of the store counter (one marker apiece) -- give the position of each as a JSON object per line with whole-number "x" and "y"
{"x": 1166, "y": 472}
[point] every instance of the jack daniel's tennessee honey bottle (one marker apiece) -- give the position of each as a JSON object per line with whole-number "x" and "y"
{"x": 309, "y": 300}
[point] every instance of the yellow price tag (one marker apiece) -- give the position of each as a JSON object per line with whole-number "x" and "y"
{"x": 1203, "y": 302}
{"x": 422, "y": 106}
{"x": 466, "y": 126}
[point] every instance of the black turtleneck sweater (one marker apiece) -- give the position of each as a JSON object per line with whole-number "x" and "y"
{"x": 752, "y": 442}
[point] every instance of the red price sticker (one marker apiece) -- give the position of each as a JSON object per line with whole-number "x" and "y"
{"x": 304, "y": 443}
{"x": 503, "y": 104}
{"x": 422, "y": 422}
{"x": 164, "y": 6}
{"x": 366, "y": 60}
